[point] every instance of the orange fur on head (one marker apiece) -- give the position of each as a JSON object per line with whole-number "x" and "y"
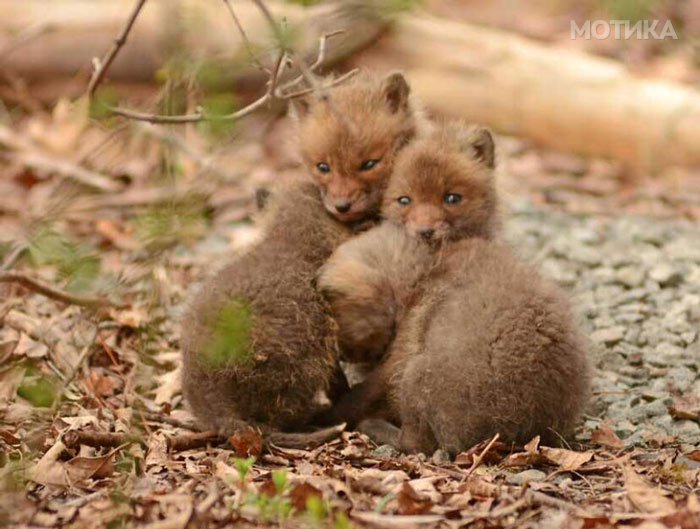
{"x": 349, "y": 140}
{"x": 443, "y": 188}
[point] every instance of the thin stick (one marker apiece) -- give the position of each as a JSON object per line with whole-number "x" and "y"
{"x": 51, "y": 292}
{"x": 337, "y": 81}
{"x": 75, "y": 438}
{"x": 273, "y": 91}
{"x": 191, "y": 441}
{"x": 478, "y": 459}
{"x": 101, "y": 66}
{"x": 244, "y": 36}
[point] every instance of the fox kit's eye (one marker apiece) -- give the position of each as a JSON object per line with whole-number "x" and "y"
{"x": 368, "y": 164}
{"x": 323, "y": 167}
{"x": 404, "y": 201}
{"x": 452, "y": 198}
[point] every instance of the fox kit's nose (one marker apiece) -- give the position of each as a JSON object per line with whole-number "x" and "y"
{"x": 426, "y": 233}
{"x": 343, "y": 206}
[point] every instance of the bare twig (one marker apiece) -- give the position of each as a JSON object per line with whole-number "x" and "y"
{"x": 335, "y": 82}
{"x": 51, "y": 292}
{"x": 244, "y": 36}
{"x": 273, "y": 92}
{"x": 75, "y": 438}
{"x": 478, "y": 459}
{"x": 101, "y": 66}
{"x": 167, "y": 419}
{"x": 191, "y": 441}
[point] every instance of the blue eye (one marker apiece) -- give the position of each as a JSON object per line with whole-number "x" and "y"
{"x": 404, "y": 201}
{"x": 323, "y": 167}
{"x": 368, "y": 164}
{"x": 452, "y": 198}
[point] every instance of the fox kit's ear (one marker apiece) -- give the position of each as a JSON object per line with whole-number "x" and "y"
{"x": 395, "y": 90}
{"x": 479, "y": 144}
{"x": 299, "y": 108}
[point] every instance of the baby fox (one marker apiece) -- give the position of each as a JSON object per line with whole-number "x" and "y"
{"x": 349, "y": 140}
{"x": 481, "y": 343}
{"x": 258, "y": 342}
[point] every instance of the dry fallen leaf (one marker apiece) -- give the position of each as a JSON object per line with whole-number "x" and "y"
{"x": 603, "y": 435}
{"x": 568, "y": 460}
{"x": 81, "y": 468}
{"x": 410, "y": 502}
{"x": 645, "y": 497}
{"x": 300, "y": 495}
{"x": 247, "y": 443}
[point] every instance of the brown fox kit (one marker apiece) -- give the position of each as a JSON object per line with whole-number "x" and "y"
{"x": 349, "y": 140}
{"x": 482, "y": 343}
{"x": 258, "y": 342}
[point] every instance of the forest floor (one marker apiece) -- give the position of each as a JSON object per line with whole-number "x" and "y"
{"x": 93, "y": 429}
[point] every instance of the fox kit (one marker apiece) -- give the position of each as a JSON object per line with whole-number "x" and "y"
{"x": 349, "y": 140}
{"x": 481, "y": 343}
{"x": 258, "y": 342}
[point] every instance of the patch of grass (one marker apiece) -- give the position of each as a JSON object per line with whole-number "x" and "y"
{"x": 166, "y": 225}
{"x": 217, "y": 106}
{"x": 78, "y": 264}
{"x": 40, "y": 390}
{"x": 244, "y": 466}
{"x": 230, "y": 341}
{"x": 632, "y": 10}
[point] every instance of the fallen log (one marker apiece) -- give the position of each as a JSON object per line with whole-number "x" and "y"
{"x": 560, "y": 99}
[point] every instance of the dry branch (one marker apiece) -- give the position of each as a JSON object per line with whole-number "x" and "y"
{"x": 101, "y": 66}
{"x": 75, "y": 438}
{"x": 191, "y": 441}
{"x": 39, "y": 286}
{"x": 561, "y": 99}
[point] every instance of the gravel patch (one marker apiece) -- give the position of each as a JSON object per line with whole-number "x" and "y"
{"x": 635, "y": 285}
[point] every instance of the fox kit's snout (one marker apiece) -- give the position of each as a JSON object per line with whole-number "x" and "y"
{"x": 442, "y": 187}
{"x": 350, "y": 138}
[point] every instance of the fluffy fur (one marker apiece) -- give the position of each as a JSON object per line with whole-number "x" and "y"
{"x": 258, "y": 342}
{"x": 367, "y": 119}
{"x": 482, "y": 343}
{"x": 289, "y": 354}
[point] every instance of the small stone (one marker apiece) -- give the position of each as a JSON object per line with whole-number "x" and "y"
{"x": 630, "y": 276}
{"x": 385, "y": 452}
{"x": 526, "y": 476}
{"x": 559, "y": 272}
{"x": 681, "y": 377}
{"x": 609, "y": 336}
{"x": 585, "y": 255}
{"x": 690, "y": 464}
{"x": 687, "y": 431}
{"x": 655, "y": 408}
{"x": 665, "y": 275}
{"x": 440, "y": 457}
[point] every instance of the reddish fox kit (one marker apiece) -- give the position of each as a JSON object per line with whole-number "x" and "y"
{"x": 349, "y": 141}
{"x": 479, "y": 343}
{"x": 258, "y": 342}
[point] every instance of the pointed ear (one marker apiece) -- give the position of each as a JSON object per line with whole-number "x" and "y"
{"x": 299, "y": 108}
{"x": 479, "y": 144}
{"x": 395, "y": 90}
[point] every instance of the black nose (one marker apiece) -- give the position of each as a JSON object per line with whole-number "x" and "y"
{"x": 426, "y": 233}
{"x": 343, "y": 206}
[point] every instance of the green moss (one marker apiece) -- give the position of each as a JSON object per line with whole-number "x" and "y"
{"x": 230, "y": 342}
{"x": 38, "y": 389}
{"x": 218, "y": 106}
{"x": 79, "y": 265}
